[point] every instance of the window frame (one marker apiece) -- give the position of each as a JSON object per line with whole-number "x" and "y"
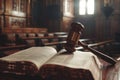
{"x": 86, "y": 12}
{"x": 68, "y": 9}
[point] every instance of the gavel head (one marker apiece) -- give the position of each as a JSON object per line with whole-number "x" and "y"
{"x": 73, "y": 36}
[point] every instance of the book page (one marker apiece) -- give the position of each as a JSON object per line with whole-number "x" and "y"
{"x": 36, "y": 55}
{"x": 79, "y": 60}
{"x": 113, "y": 73}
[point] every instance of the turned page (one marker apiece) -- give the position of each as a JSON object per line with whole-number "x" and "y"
{"x": 75, "y": 60}
{"x": 36, "y": 55}
{"x": 78, "y": 60}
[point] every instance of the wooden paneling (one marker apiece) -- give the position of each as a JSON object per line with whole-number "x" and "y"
{"x": 1, "y": 22}
{"x": 8, "y": 6}
{"x": 107, "y": 27}
{"x": 25, "y": 30}
{"x": 1, "y": 6}
{"x": 23, "y": 5}
{"x": 15, "y": 22}
{"x": 15, "y": 4}
{"x": 16, "y": 7}
{"x": 15, "y": 13}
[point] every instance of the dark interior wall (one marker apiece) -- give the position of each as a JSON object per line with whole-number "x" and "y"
{"x": 107, "y": 27}
{"x": 45, "y": 14}
{"x": 38, "y": 13}
{"x": 53, "y": 17}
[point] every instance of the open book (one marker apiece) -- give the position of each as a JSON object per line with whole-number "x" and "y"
{"x": 48, "y": 63}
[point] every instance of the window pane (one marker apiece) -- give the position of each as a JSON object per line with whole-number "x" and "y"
{"x": 86, "y": 6}
{"x": 66, "y": 6}
{"x": 90, "y": 7}
{"x": 82, "y": 7}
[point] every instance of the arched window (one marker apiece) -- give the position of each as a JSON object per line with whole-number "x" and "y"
{"x": 86, "y": 7}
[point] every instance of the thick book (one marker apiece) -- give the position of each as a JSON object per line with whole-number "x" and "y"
{"x": 52, "y": 65}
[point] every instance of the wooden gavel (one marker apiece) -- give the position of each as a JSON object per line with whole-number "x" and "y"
{"x": 73, "y": 40}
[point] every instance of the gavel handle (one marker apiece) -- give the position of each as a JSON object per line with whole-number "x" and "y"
{"x": 99, "y": 54}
